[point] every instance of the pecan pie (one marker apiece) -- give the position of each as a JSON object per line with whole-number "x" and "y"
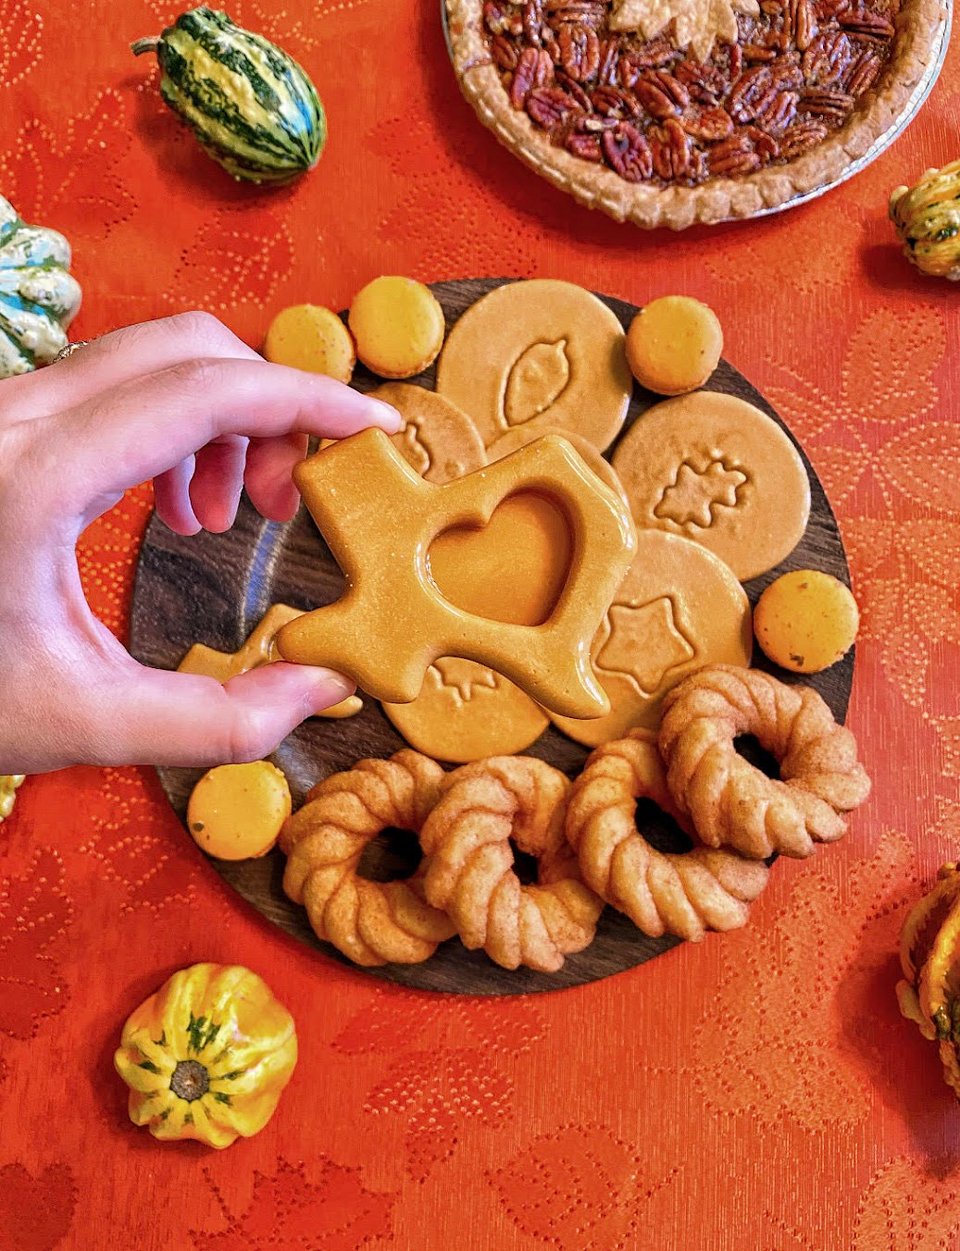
{"x": 670, "y": 112}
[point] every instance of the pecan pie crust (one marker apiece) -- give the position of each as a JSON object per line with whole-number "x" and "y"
{"x": 664, "y": 153}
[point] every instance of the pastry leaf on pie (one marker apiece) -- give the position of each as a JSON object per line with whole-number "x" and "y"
{"x": 697, "y": 23}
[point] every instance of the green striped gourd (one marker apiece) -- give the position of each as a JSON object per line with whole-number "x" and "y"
{"x": 38, "y": 296}
{"x": 252, "y": 107}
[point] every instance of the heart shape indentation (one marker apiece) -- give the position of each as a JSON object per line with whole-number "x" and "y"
{"x": 512, "y": 569}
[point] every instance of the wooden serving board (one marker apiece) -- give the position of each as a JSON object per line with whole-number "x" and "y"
{"x": 214, "y": 588}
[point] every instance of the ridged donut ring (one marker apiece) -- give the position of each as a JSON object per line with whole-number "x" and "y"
{"x": 684, "y": 894}
{"x": 371, "y": 922}
{"x": 732, "y": 803}
{"x": 470, "y": 870}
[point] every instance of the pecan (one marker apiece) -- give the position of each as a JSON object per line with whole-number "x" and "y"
{"x": 752, "y": 52}
{"x": 582, "y": 14}
{"x": 612, "y": 102}
{"x": 550, "y": 106}
{"x": 661, "y": 94}
{"x": 778, "y": 40}
{"x": 579, "y": 51}
{"x": 800, "y": 138}
{"x": 504, "y": 53}
{"x": 609, "y": 62}
{"x": 772, "y": 8}
{"x": 863, "y": 74}
{"x": 803, "y": 22}
{"x": 824, "y": 10}
{"x": 786, "y": 72}
{"x": 704, "y": 82}
{"x": 780, "y": 111}
{"x": 708, "y": 125}
{"x": 752, "y": 93}
{"x": 652, "y": 55}
{"x": 670, "y": 150}
{"x": 863, "y": 21}
{"x": 735, "y": 56}
{"x": 826, "y": 103}
{"x": 532, "y": 22}
{"x": 698, "y": 166}
{"x": 534, "y": 69}
{"x": 763, "y": 144}
{"x": 593, "y": 124}
{"x": 827, "y": 58}
{"x": 736, "y": 162}
{"x": 574, "y": 89}
{"x": 586, "y": 146}
{"x": 628, "y": 152}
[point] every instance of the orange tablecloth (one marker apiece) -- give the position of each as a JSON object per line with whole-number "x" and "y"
{"x": 756, "y": 1092}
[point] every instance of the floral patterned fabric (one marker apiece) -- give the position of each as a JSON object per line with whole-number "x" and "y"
{"x": 758, "y": 1091}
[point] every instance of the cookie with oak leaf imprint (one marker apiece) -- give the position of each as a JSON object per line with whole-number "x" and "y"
{"x": 712, "y": 468}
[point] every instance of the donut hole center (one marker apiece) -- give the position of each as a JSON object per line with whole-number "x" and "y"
{"x": 660, "y": 830}
{"x": 754, "y": 752}
{"x": 393, "y": 855}
{"x": 524, "y": 865}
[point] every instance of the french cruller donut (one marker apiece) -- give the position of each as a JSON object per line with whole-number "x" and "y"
{"x": 662, "y": 893}
{"x": 371, "y": 922}
{"x": 730, "y": 801}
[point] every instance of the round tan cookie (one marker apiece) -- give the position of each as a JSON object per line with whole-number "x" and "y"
{"x": 437, "y": 439}
{"x": 713, "y": 468}
{"x": 521, "y": 435}
{"x": 679, "y": 608}
{"x": 467, "y": 712}
{"x": 542, "y": 352}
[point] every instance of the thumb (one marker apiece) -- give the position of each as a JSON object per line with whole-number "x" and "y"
{"x": 186, "y": 720}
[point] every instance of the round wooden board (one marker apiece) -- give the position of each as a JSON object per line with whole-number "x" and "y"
{"x": 214, "y": 588}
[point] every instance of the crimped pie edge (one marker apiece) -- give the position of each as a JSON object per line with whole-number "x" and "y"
{"x": 718, "y": 199}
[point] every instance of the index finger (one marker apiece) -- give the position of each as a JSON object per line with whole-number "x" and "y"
{"x": 141, "y": 428}
{"x": 122, "y": 356}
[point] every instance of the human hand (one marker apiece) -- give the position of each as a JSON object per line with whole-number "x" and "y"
{"x": 185, "y": 402}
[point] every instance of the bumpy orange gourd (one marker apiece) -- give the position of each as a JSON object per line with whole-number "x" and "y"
{"x": 929, "y": 993}
{"x": 207, "y": 1056}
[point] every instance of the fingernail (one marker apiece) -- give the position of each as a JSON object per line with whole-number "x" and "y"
{"x": 384, "y": 416}
{"x": 333, "y": 686}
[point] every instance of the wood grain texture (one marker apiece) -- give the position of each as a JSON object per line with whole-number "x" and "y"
{"x": 214, "y": 589}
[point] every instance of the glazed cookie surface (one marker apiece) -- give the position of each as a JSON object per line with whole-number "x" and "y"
{"x": 679, "y": 608}
{"x": 467, "y": 712}
{"x": 519, "y": 436}
{"x": 540, "y": 352}
{"x": 715, "y": 469}
{"x": 259, "y": 649}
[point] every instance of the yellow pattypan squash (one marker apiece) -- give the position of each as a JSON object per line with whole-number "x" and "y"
{"x": 207, "y": 1056}
{"x": 927, "y": 219}
{"x": 8, "y": 792}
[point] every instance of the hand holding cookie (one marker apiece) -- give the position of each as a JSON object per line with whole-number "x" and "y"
{"x": 184, "y": 402}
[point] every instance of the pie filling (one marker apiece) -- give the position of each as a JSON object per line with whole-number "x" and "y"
{"x": 656, "y": 114}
